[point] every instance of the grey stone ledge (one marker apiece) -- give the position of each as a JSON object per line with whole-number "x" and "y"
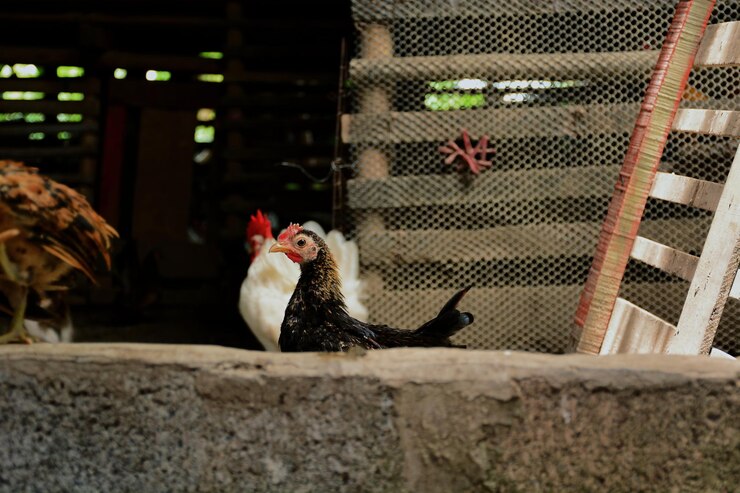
{"x": 137, "y": 417}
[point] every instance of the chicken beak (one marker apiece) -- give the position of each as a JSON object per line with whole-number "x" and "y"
{"x": 279, "y": 247}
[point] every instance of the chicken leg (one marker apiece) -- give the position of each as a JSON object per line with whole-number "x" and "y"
{"x": 17, "y": 331}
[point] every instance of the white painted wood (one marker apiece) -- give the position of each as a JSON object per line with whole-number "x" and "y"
{"x": 714, "y": 122}
{"x": 718, "y": 353}
{"x": 720, "y": 46}
{"x": 714, "y": 274}
{"x": 735, "y": 289}
{"x": 634, "y": 330}
{"x": 685, "y": 190}
{"x": 670, "y": 260}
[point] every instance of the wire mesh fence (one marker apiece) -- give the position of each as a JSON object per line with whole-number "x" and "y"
{"x": 556, "y": 87}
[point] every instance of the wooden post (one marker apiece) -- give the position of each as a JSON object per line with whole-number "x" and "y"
{"x": 714, "y": 274}
{"x": 377, "y": 42}
{"x": 234, "y": 75}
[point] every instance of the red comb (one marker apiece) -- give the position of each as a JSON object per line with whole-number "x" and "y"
{"x": 289, "y": 232}
{"x": 259, "y": 225}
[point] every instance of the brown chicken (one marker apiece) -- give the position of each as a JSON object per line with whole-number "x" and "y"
{"x": 316, "y": 318}
{"x": 46, "y": 230}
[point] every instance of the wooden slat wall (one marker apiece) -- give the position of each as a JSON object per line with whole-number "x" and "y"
{"x": 392, "y": 195}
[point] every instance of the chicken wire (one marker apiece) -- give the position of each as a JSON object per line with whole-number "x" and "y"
{"x": 556, "y": 86}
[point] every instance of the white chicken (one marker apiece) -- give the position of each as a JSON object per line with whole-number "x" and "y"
{"x": 271, "y": 279}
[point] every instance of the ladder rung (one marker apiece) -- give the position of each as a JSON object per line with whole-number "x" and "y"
{"x": 720, "y": 46}
{"x": 635, "y": 330}
{"x": 735, "y": 289}
{"x": 685, "y": 190}
{"x": 715, "y": 122}
{"x": 670, "y": 260}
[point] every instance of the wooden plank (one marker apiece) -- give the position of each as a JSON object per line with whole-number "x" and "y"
{"x": 509, "y": 123}
{"x": 279, "y": 101}
{"x": 291, "y": 76}
{"x": 634, "y": 330}
{"x": 720, "y": 46}
{"x": 504, "y": 65}
{"x": 735, "y": 289}
{"x": 462, "y": 245}
{"x": 40, "y": 55}
{"x": 714, "y": 275}
{"x": 174, "y": 95}
{"x": 504, "y": 242}
{"x": 409, "y": 191}
{"x": 411, "y": 9}
{"x": 183, "y": 23}
{"x": 26, "y": 128}
{"x": 115, "y": 59}
{"x": 670, "y": 260}
{"x": 718, "y": 353}
{"x": 714, "y": 122}
{"x": 89, "y": 106}
{"x": 685, "y": 190}
{"x": 170, "y": 23}
{"x": 312, "y": 155}
{"x": 84, "y": 85}
{"x": 46, "y": 152}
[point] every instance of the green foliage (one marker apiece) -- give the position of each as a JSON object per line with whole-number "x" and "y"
{"x": 454, "y": 101}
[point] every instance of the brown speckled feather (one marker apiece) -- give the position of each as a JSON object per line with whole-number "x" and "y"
{"x": 56, "y": 224}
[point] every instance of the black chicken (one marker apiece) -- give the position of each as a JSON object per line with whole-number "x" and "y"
{"x": 316, "y": 318}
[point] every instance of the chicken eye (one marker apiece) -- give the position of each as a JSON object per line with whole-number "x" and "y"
{"x": 301, "y": 243}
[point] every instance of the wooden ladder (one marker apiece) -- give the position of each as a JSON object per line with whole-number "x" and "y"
{"x": 607, "y": 323}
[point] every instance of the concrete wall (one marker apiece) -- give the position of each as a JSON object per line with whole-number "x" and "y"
{"x": 149, "y": 418}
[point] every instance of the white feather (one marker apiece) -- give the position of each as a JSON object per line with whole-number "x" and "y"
{"x": 271, "y": 279}
{"x": 47, "y": 332}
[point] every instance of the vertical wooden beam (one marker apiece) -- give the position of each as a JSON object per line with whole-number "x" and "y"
{"x": 111, "y": 173}
{"x": 638, "y": 171}
{"x": 234, "y": 76}
{"x": 339, "y": 183}
{"x": 377, "y": 42}
{"x": 163, "y": 176}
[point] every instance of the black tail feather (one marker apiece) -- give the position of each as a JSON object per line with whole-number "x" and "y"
{"x": 452, "y": 303}
{"x": 448, "y": 321}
